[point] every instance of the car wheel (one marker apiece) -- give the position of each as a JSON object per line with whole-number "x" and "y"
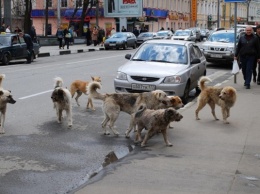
{"x": 117, "y": 48}
{"x": 125, "y": 46}
{"x": 106, "y": 48}
{"x": 186, "y": 93}
{"x": 197, "y": 89}
{"x": 134, "y": 47}
{"x": 6, "y": 59}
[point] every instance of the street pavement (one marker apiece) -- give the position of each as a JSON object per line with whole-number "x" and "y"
{"x": 207, "y": 156}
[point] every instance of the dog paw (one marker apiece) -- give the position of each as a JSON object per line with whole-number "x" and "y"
{"x": 226, "y": 122}
{"x": 197, "y": 118}
{"x": 143, "y": 145}
{"x": 169, "y": 145}
{"x": 70, "y": 125}
{"x": 106, "y": 133}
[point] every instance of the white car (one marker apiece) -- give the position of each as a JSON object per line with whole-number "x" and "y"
{"x": 169, "y": 65}
{"x": 184, "y": 35}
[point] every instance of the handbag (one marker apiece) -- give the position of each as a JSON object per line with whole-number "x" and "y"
{"x": 68, "y": 35}
{"x": 235, "y": 68}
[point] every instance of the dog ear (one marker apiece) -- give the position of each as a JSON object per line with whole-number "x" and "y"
{"x": 93, "y": 79}
{"x": 1, "y": 92}
{"x": 168, "y": 113}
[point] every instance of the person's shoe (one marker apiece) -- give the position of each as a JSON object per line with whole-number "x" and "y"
{"x": 244, "y": 83}
{"x": 248, "y": 87}
{"x": 254, "y": 79}
{"x": 258, "y": 82}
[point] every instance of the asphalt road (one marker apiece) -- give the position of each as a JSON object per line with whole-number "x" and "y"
{"x": 37, "y": 154}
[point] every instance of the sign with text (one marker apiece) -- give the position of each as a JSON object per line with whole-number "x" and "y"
{"x": 123, "y": 8}
{"x": 193, "y": 10}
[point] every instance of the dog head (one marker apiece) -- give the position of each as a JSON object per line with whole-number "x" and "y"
{"x": 162, "y": 97}
{"x": 6, "y": 97}
{"x": 170, "y": 114}
{"x": 176, "y": 102}
{"x": 58, "y": 95}
{"x": 228, "y": 94}
{"x": 96, "y": 79}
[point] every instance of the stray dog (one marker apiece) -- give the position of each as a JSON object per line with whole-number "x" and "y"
{"x": 154, "y": 121}
{"x": 126, "y": 102}
{"x": 5, "y": 97}
{"x": 61, "y": 98}
{"x": 225, "y": 97}
{"x": 81, "y": 87}
{"x": 175, "y": 102}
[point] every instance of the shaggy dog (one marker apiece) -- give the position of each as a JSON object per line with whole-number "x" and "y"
{"x": 80, "y": 87}
{"x": 225, "y": 97}
{"x": 5, "y": 97}
{"x": 154, "y": 121}
{"x": 126, "y": 102}
{"x": 61, "y": 98}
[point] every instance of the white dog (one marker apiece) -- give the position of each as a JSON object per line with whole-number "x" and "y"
{"x": 61, "y": 98}
{"x": 5, "y": 97}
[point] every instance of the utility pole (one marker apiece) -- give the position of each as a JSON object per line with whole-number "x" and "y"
{"x": 218, "y": 18}
{"x": 58, "y": 13}
{"x": 7, "y": 13}
{"x": 247, "y": 11}
{"x": 0, "y": 12}
{"x": 97, "y": 11}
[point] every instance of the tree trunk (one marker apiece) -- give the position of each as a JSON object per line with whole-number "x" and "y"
{"x": 27, "y": 16}
{"x": 46, "y": 17}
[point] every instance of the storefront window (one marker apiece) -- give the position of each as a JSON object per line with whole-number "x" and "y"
{"x": 64, "y": 3}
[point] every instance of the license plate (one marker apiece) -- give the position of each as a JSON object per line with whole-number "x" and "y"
{"x": 112, "y": 44}
{"x": 216, "y": 55}
{"x": 143, "y": 87}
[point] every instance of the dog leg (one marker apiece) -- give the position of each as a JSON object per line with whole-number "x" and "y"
{"x": 147, "y": 136}
{"x": 90, "y": 104}
{"x": 2, "y": 118}
{"x": 131, "y": 126}
{"x": 165, "y": 137}
{"x": 79, "y": 93}
{"x": 59, "y": 114}
{"x": 138, "y": 137}
{"x": 224, "y": 114}
{"x": 104, "y": 123}
{"x": 69, "y": 117}
{"x": 111, "y": 126}
{"x": 201, "y": 104}
{"x": 212, "y": 106}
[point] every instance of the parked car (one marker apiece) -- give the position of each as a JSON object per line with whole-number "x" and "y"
{"x": 184, "y": 35}
{"x": 219, "y": 47}
{"x": 13, "y": 47}
{"x": 173, "y": 66}
{"x": 121, "y": 40}
{"x": 164, "y": 34}
{"x": 144, "y": 36}
{"x": 204, "y": 33}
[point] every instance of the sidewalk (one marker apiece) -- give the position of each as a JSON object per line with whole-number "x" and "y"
{"x": 207, "y": 156}
{"x": 46, "y": 51}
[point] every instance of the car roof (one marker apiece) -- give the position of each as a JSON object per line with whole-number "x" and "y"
{"x": 223, "y": 31}
{"x": 179, "y": 42}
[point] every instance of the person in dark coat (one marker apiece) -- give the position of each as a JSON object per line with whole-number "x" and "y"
{"x": 88, "y": 36}
{"x": 32, "y": 33}
{"x": 67, "y": 37}
{"x": 29, "y": 44}
{"x": 60, "y": 36}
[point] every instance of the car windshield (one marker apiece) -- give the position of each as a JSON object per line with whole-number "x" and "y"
{"x": 146, "y": 35}
{"x": 5, "y": 40}
{"x": 158, "y": 52}
{"x": 162, "y": 33}
{"x": 182, "y": 33}
{"x": 222, "y": 37}
{"x": 118, "y": 35}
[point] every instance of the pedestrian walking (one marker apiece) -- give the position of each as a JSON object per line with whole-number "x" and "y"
{"x": 7, "y": 30}
{"x": 29, "y": 45}
{"x": 32, "y": 33}
{"x": 248, "y": 51}
{"x": 67, "y": 37}
{"x": 136, "y": 32}
{"x": 123, "y": 29}
{"x": 88, "y": 37}
{"x": 101, "y": 35}
{"x": 60, "y": 36}
{"x": 256, "y": 68}
{"x": 95, "y": 36}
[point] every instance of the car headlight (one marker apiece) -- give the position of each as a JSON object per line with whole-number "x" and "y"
{"x": 204, "y": 47}
{"x": 121, "y": 75}
{"x": 230, "y": 49}
{"x": 172, "y": 80}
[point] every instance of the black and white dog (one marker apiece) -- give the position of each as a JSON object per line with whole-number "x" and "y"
{"x": 61, "y": 98}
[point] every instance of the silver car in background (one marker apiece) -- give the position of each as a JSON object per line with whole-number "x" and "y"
{"x": 164, "y": 34}
{"x": 169, "y": 65}
{"x": 184, "y": 35}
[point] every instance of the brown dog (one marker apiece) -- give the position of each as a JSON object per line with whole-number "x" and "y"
{"x": 5, "y": 97}
{"x": 81, "y": 87}
{"x": 61, "y": 98}
{"x": 154, "y": 121}
{"x": 225, "y": 97}
{"x": 126, "y": 102}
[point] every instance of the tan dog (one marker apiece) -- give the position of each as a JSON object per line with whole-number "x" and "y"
{"x": 81, "y": 87}
{"x": 154, "y": 121}
{"x": 5, "y": 97}
{"x": 61, "y": 98}
{"x": 225, "y": 97}
{"x": 126, "y": 102}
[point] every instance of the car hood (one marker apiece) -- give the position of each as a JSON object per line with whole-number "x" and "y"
{"x": 218, "y": 44}
{"x": 154, "y": 69}
{"x": 180, "y": 37}
{"x": 144, "y": 38}
{"x": 115, "y": 39}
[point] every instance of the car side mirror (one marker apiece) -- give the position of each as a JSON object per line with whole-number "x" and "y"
{"x": 128, "y": 56}
{"x": 195, "y": 61}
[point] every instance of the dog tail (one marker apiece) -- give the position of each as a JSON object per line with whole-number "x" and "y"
{"x": 58, "y": 82}
{"x": 92, "y": 90}
{"x": 202, "y": 81}
{"x": 140, "y": 111}
{"x": 2, "y": 76}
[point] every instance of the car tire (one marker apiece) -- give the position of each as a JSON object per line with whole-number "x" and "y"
{"x": 134, "y": 47}
{"x": 125, "y": 46}
{"x": 197, "y": 89}
{"x": 6, "y": 59}
{"x": 117, "y": 48}
{"x": 106, "y": 48}
{"x": 186, "y": 93}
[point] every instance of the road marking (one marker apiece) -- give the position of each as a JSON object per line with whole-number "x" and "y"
{"x": 33, "y": 95}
